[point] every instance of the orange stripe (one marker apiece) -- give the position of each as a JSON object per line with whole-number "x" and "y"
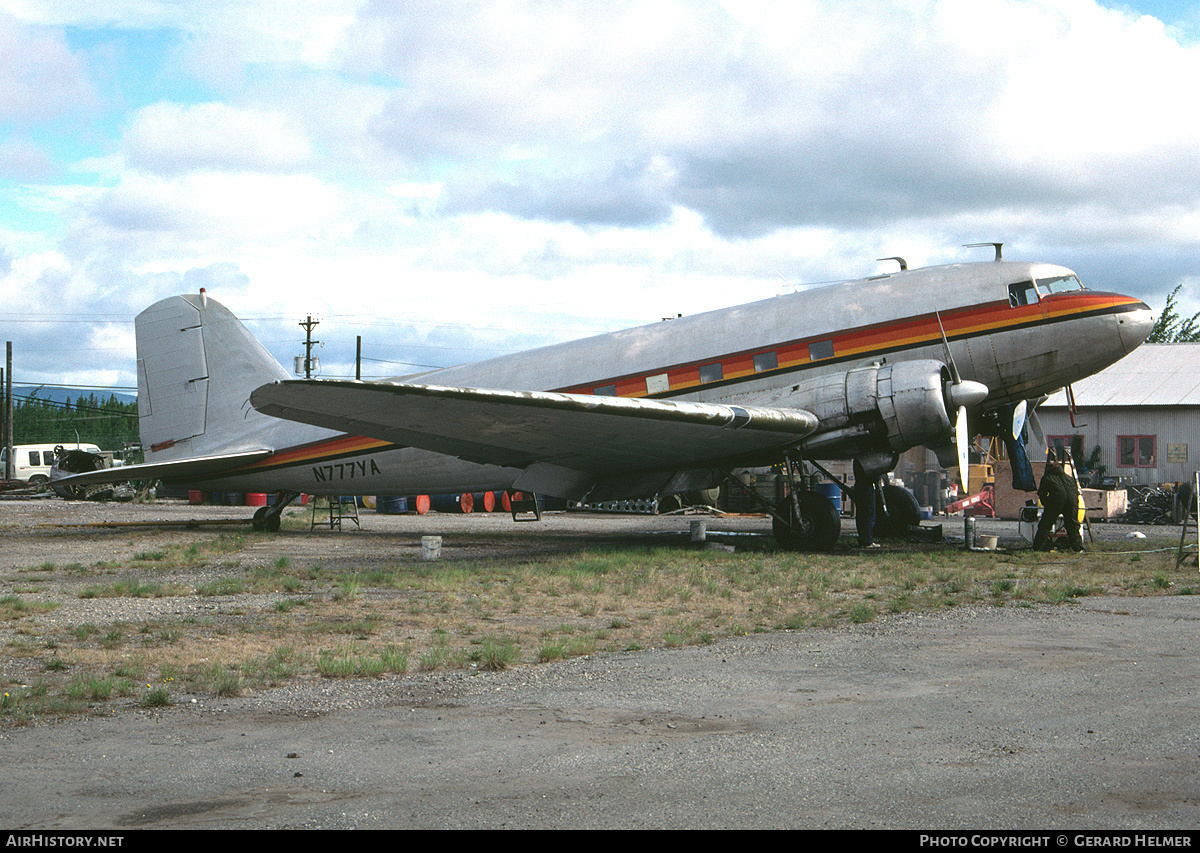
{"x": 908, "y": 332}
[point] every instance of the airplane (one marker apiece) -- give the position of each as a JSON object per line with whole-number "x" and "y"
{"x": 859, "y": 370}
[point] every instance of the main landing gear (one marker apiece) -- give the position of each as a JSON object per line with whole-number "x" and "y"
{"x": 267, "y": 517}
{"x": 809, "y": 522}
{"x": 804, "y": 520}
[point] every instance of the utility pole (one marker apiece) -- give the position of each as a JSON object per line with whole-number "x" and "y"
{"x": 8, "y": 413}
{"x": 308, "y": 345}
{"x": 358, "y": 358}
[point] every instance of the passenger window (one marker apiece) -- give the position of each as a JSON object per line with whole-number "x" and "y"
{"x": 34, "y": 460}
{"x": 818, "y": 350}
{"x": 765, "y": 361}
{"x": 606, "y": 391}
{"x": 711, "y": 372}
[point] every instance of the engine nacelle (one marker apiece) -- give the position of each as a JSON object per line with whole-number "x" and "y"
{"x": 876, "y": 408}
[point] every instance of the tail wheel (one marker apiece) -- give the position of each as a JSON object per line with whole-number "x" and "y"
{"x": 264, "y": 519}
{"x": 814, "y": 523}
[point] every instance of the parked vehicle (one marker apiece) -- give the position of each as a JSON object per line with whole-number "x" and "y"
{"x": 32, "y": 462}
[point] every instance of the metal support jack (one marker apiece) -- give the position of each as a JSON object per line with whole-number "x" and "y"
{"x": 524, "y": 506}
{"x": 337, "y": 511}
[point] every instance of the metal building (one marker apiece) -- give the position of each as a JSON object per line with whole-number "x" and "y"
{"x": 1142, "y": 413}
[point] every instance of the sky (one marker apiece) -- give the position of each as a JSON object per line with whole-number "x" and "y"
{"x": 456, "y": 180}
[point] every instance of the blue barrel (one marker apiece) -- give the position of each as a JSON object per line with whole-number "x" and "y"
{"x": 462, "y": 503}
{"x": 832, "y": 491}
{"x": 391, "y": 505}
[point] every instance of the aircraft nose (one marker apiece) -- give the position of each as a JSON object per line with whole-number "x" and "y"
{"x": 1135, "y": 326}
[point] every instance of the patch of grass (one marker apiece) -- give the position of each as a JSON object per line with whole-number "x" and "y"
{"x": 132, "y": 588}
{"x": 155, "y": 697}
{"x": 15, "y": 607}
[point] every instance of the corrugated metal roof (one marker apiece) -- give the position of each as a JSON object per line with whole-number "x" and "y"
{"x": 1151, "y": 375}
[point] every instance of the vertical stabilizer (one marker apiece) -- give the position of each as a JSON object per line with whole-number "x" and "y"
{"x": 197, "y": 365}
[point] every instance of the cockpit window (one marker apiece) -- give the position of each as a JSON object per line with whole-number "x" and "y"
{"x": 1058, "y": 284}
{"x": 1022, "y": 293}
{"x": 1028, "y": 292}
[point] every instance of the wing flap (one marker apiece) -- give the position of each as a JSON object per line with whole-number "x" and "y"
{"x": 598, "y": 435}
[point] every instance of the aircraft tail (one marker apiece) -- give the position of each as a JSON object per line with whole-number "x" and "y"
{"x": 197, "y": 365}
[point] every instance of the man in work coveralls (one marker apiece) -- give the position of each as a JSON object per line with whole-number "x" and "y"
{"x": 1059, "y": 494}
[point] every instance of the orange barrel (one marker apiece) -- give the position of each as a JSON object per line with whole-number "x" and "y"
{"x": 485, "y": 501}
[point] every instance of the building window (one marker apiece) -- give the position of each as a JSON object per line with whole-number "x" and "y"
{"x": 1066, "y": 447}
{"x": 1136, "y": 451}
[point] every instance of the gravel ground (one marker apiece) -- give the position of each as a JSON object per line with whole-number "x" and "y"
{"x": 976, "y": 718}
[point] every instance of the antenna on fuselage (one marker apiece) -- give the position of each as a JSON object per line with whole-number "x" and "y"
{"x": 981, "y": 245}
{"x": 903, "y": 263}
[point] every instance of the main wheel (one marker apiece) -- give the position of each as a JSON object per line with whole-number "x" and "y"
{"x": 903, "y": 511}
{"x": 816, "y": 527}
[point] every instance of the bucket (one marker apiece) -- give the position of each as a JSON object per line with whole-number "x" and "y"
{"x": 256, "y": 499}
{"x": 431, "y": 547}
{"x": 195, "y": 496}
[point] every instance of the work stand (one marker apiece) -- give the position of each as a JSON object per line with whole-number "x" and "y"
{"x": 339, "y": 508}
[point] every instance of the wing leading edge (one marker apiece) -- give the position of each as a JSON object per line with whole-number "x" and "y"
{"x": 571, "y": 441}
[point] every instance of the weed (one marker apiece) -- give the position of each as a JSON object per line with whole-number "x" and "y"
{"x": 155, "y": 697}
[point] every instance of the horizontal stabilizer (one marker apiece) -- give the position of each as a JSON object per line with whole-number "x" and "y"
{"x": 580, "y": 432}
{"x": 178, "y": 471}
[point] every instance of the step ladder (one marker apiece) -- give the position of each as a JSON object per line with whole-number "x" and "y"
{"x": 1191, "y": 524}
{"x": 339, "y": 508}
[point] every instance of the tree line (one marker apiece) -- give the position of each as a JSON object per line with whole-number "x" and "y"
{"x": 110, "y": 424}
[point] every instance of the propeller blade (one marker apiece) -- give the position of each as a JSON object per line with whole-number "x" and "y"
{"x": 1035, "y": 427}
{"x": 962, "y": 445}
{"x": 946, "y": 345}
{"x": 1018, "y": 422}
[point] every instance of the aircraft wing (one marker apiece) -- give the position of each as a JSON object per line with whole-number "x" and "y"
{"x": 581, "y": 437}
{"x": 180, "y": 470}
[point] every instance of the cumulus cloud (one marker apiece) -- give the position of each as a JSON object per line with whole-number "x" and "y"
{"x": 174, "y": 138}
{"x": 40, "y": 77}
{"x": 538, "y": 168}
